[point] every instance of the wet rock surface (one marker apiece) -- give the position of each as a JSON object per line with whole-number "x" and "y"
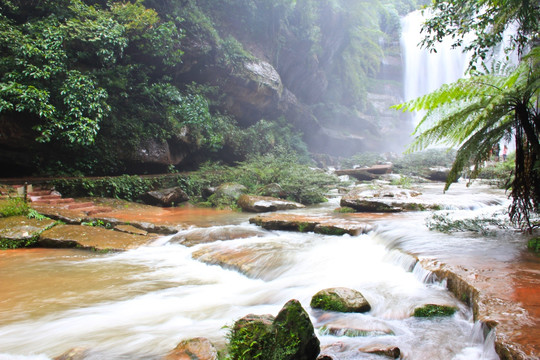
{"x": 257, "y": 204}
{"x": 207, "y": 235}
{"x": 20, "y": 228}
{"x": 340, "y": 299}
{"x": 90, "y": 237}
{"x": 386, "y": 200}
{"x": 193, "y": 349}
{"x": 303, "y": 223}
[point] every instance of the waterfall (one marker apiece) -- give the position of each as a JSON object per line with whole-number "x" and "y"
{"x": 425, "y": 72}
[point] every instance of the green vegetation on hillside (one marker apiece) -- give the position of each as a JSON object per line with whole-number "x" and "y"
{"x": 96, "y": 82}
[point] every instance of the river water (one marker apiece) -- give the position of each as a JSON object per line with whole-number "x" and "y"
{"x": 141, "y": 303}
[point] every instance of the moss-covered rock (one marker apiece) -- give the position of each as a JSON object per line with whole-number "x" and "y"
{"x": 289, "y": 336}
{"x": 294, "y": 334}
{"x": 340, "y": 299}
{"x": 432, "y": 310}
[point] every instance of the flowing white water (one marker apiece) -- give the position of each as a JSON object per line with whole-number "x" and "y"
{"x": 141, "y": 303}
{"x": 426, "y": 71}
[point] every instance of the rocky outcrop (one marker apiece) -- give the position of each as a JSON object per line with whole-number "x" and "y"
{"x": 257, "y": 204}
{"x": 229, "y": 192}
{"x": 90, "y": 237}
{"x": 386, "y": 200}
{"x": 340, "y": 299}
{"x": 288, "y": 336}
{"x": 193, "y": 349}
{"x": 165, "y": 197}
{"x": 303, "y": 223}
{"x": 17, "y": 231}
{"x": 367, "y": 173}
{"x": 206, "y": 235}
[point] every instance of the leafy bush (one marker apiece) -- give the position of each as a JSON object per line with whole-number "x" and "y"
{"x": 13, "y": 207}
{"x": 443, "y": 222}
{"x": 362, "y": 160}
{"x": 121, "y": 187}
{"x": 300, "y": 182}
{"x": 416, "y": 163}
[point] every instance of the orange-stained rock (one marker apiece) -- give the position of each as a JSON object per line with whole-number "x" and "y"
{"x": 193, "y": 349}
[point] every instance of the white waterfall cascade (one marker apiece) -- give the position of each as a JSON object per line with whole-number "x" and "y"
{"x": 426, "y": 71}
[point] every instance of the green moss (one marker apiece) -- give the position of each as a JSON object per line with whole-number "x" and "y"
{"x": 534, "y": 245}
{"x": 330, "y": 230}
{"x": 431, "y": 310}
{"x": 344, "y": 210}
{"x": 328, "y": 302}
{"x": 13, "y": 207}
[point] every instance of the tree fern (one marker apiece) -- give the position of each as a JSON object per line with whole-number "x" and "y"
{"x": 475, "y": 113}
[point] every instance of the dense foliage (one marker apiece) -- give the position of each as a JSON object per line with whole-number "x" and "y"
{"x": 84, "y": 73}
{"x": 488, "y": 21}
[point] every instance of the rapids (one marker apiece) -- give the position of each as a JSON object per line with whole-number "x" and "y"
{"x": 141, "y": 303}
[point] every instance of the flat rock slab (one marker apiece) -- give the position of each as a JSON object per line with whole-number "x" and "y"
{"x": 386, "y": 201}
{"x": 262, "y": 260}
{"x": 91, "y": 237}
{"x": 302, "y": 223}
{"x": 206, "y": 235}
{"x": 258, "y": 204}
{"x": 22, "y": 228}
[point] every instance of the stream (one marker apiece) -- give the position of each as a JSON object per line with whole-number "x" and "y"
{"x": 141, "y": 303}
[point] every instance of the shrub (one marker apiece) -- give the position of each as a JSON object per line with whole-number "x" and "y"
{"x": 13, "y": 207}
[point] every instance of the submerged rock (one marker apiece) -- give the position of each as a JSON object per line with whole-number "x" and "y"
{"x": 193, "y": 349}
{"x": 390, "y": 351}
{"x": 165, "y": 197}
{"x": 251, "y": 203}
{"x": 340, "y": 299}
{"x": 78, "y": 353}
{"x": 207, "y": 235}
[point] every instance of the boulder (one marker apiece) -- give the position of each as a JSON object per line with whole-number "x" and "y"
{"x": 165, "y": 197}
{"x": 193, "y": 349}
{"x": 252, "y": 337}
{"x": 437, "y": 174}
{"x": 295, "y": 335}
{"x": 367, "y": 173}
{"x": 257, "y": 204}
{"x": 228, "y": 192}
{"x": 340, "y": 299}
{"x": 288, "y": 336}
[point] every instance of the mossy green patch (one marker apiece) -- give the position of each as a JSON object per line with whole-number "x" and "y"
{"x": 432, "y": 310}
{"x": 329, "y": 302}
{"x": 534, "y": 245}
